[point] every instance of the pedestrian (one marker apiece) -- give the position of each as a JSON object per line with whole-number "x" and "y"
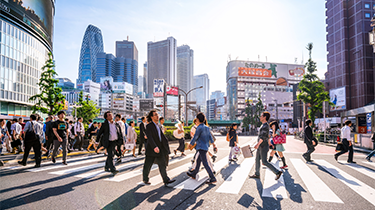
{"x": 233, "y": 141}
{"x": 90, "y": 123}
{"x": 161, "y": 125}
{"x": 33, "y": 138}
{"x": 111, "y": 136}
{"x": 48, "y": 135}
{"x": 279, "y": 148}
{"x": 309, "y": 141}
{"x": 131, "y": 139}
{"x": 121, "y": 124}
{"x": 346, "y": 142}
{"x": 179, "y": 134}
{"x": 262, "y": 148}
{"x": 61, "y": 132}
{"x": 142, "y": 135}
{"x": 373, "y": 146}
{"x": 4, "y": 135}
{"x": 126, "y": 126}
{"x": 157, "y": 149}
{"x": 93, "y": 130}
{"x": 203, "y": 138}
{"x": 79, "y": 132}
{"x": 16, "y": 130}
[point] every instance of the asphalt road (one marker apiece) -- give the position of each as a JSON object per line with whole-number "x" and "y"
{"x": 83, "y": 184}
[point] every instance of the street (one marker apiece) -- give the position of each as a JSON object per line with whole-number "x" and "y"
{"x": 83, "y": 183}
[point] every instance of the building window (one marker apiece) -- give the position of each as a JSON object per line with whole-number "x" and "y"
{"x": 367, "y": 15}
{"x": 367, "y": 6}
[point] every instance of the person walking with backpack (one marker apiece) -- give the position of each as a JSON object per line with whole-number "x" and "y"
{"x": 279, "y": 148}
{"x": 233, "y": 141}
{"x": 33, "y": 138}
{"x": 368, "y": 158}
{"x": 61, "y": 131}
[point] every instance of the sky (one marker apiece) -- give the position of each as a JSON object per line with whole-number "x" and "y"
{"x": 217, "y": 30}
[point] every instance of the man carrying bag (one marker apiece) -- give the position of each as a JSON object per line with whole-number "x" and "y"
{"x": 309, "y": 140}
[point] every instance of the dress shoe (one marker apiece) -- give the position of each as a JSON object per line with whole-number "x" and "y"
{"x": 336, "y": 157}
{"x": 64, "y": 162}
{"x": 255, "y": 176}
{"x": 107, "y": 170}
{"x": 352, "y": 162}
{"x": 37, "y": 166}
{"x": 169, "y": 182}
{"x": 278, "y": 175}
{"x": 53, "y": 160}
{"x": 114, "y": 172}
{"x": 21, "y": 163}
{"x": 147, "y": 183}
{"x": 209, "y": 181}
{"x": 190, "y": 175}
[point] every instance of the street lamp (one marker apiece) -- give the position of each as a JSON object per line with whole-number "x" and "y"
{"x": 186, "y": 94}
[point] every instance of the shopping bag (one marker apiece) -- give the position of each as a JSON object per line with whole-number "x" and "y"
{"x": 246, "y": 151}
{"x": 237, "y": 150}
{"x": 279, "y": 139}
{"x": 129, "y": 146}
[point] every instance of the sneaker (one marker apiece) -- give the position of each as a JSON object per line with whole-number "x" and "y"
{"x": 284, "y": 167}
{"x": 53, "y": 160}
{"x": 368, "y": 159}
{"x": 214, "y": 158}
{"x": 209, "y": 181}
{"x": 254, "y": 176}
{"x": 190, "y": 175}
{"x": 278, "y": 175}
{"x": 21, "y": 163}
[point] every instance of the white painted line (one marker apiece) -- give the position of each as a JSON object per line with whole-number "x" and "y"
{"x": 359, "y": 187}
{"x": 202, "y": 176}
{"x": 317, "y": 188}
{"x": 274, "y": 188}
{"x": 90, "y": 160}
{"x": 234, "y": 182}
{"x": 370, "y": 163}
{"x": 368, "y": 172}
{"x": 135, "y": 173}
{"x": 172, "y": 173}
{"x": 82, "y": 168}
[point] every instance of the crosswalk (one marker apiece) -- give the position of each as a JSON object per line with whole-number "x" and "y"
{"x": 234, "y": 180}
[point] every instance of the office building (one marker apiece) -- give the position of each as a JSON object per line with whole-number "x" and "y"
{"x": 73, "y": 96}
{"x": 127, "y": 49}
{"x": 93, "y": 89}
{"x": 141, "y": 81}
{"x": 92, "y": 44}
{"x": 211, "y": 109}
{"x": 273, "y": 81}
{"x": 145, "y": 84}
{"x": 201, "y": 95}
{"x": 161, "y": 62}
{"x": 65, "y": 83}
{"x": 185, "y": 69}
{"x": 25, "y": 42}
{"x": 350, "y": 57}
{"x": 219, "y": 97}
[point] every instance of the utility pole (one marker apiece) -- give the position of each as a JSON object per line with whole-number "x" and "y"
{"x": 277, "y": 111}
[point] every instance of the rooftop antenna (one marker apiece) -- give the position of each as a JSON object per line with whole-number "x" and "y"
{"x": 302, "y": 58}
{"x": 295, "y": 60}
{"x": 258, "y": 58}
{"x": 128, "y": 38}
{"x": 237, "y": 58}
{"x": 266, "y": 59}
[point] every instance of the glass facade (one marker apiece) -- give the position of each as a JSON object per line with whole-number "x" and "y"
{"x": 22, "y": 57}
{"x": 92, "y": 44}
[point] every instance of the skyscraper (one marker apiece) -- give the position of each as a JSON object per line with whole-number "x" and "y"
{"x": 185, "y": 68}
{"x": 202, "y": 95}
{"x": 140, "y": 83}
{"x": 161, "y": 62}
{"x": 350, "y": 57}
{"x": 126, "y": 49}
{"x": 92, "y": 44}
{"x": 145, "y": 84}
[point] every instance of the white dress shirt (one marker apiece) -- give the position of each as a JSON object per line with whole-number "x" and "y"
{"x": 78, "y": 127}
{"x": 38, "y": 128}
{"x": 345, "y": 133}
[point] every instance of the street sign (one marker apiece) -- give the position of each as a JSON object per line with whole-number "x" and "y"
{"x": 191, "y": 102}
{"x": 158, "y": 87}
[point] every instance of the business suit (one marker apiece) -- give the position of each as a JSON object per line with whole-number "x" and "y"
{"x": 308, "y": 139}
{"x": 142, "y": 140}
{"x": 50, "y": 135}
{"x": 161, "y": 158}
{"x": 103, "y": 135}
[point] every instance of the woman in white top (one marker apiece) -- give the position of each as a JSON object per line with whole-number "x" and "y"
{"x": 180, "y": 135}
{"x": 131, "y": 139}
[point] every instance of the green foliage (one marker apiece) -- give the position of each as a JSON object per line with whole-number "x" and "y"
{"x": 49, "y": 100}
{"x": 312, "y": 90}
{"x": 87, "y": 110}
{"x": 253, "y": 113}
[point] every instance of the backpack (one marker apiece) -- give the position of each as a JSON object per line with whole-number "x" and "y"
{"x": 72, "y": 130}
{"x": 30, "y": 135}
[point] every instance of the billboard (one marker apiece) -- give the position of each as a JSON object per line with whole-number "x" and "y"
{"x": 106, "y": 84}
{"x": 172, "y": 90}
{"x": 158, "y": 87}
{"x": 36, "y": 15}
{"x": 122, "y": 87}
{"x": 145, "y": 104}
{"x": 338, "y": 98}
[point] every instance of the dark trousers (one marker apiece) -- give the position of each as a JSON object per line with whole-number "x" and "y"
{"x": 202, "y": 158}
{"x": 37, "y": 150}
{"x": 347, "y": 148}
{"x": 111, "y": 150}
{"x": 310, "y": 149}
{"x": 63, "y": 144}
{"x": 49, "y": 143}
{"x": 141, "y": 142}
{"x": 162, "y": 164}
{"x": 181, "y": 145}
{"x": 78, "y": 141}
{"x": 262, "y": 155}
{"x": 373, "y": 152}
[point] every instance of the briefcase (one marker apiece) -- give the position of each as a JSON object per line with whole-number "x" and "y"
{"x": 339, "y": 147}
{"x": 246, "y": 151}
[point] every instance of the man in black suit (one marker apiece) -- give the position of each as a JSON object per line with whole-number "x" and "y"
{"x": 142, "y": 135}
{"x": 157, "y": 149}
{"x": 309, "y": 141}
{"x": 49, "y": 135}
{"x": 111, "y": 136}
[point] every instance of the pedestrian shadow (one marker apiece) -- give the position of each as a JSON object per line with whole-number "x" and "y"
{"x": 228, "y": 170}
{"x": 339, "y": 176}
{"x": 38, "y": 195}
{"x": 295, "y": 190}
{"x": 246, "y": 200}
{"x": 267, "y": 202}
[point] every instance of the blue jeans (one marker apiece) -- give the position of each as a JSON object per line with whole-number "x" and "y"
{"x": 371, "y": 153}
{"x": 202, "y": 157}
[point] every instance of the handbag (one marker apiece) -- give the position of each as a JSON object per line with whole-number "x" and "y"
{"x": 129, "y": 146}
{"x": 279, "y": 139}
{"x": 237, "y": 150}
{"x": 339, "y": 147}
{"x": 246, "y": 151}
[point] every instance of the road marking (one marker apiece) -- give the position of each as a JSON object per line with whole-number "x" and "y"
{"x": 370, "y": 163}
{"x": 368, "y": 172}
{"x": 73, "y": 170}
{"x": 135, "y": 173}
{"x": 69, "y": 164}
{"x": 359, "y": 187}
{"x": 202, "y": 176}
{"x": 172, "y": 173}
{"x": 274, "y": 188}
{"x": 234, "y": 182}
{"x": 317, "y": 188}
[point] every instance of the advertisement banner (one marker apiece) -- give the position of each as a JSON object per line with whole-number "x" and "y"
{"x": 369, "y": 119}
{"x": 158, "y": 87}
{"x": 172, "y": 90}
{"x": 338, "y": 98}
{"x": 122, "y": 87}
{"x": 106, "y": 84}
{"x": 145, "y": 104}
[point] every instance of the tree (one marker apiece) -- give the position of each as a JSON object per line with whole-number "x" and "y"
{"x": 49, "y": 100}
{"x": 252, "y": 113}
{"x": 312, "y": 90}
{"x": 87, "y": 109}
{"x": 258, "y": 110}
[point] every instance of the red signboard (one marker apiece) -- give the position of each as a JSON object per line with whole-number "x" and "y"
{"x": 172, "y": 91}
